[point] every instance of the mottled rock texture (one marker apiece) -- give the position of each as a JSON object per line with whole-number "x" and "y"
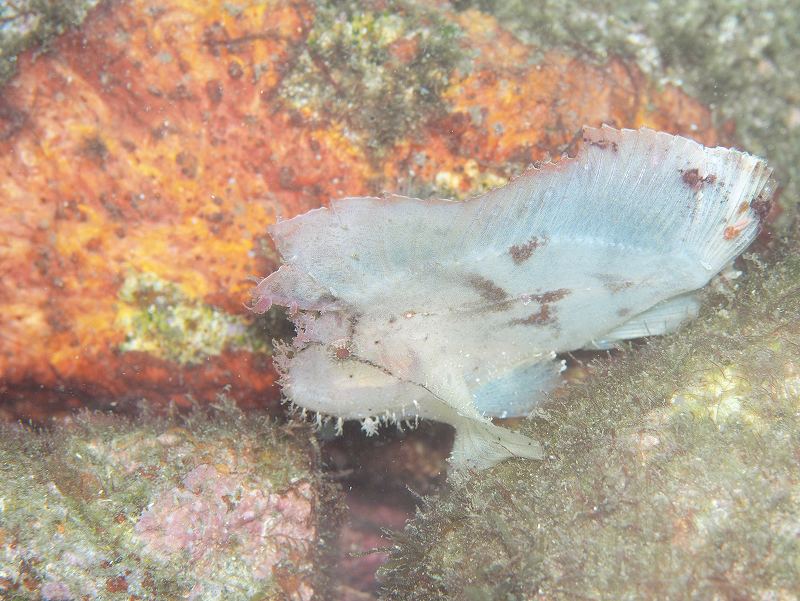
{"x": 214, "y": 505}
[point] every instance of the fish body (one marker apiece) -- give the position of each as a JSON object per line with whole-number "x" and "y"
{"x": 457, "y": 311}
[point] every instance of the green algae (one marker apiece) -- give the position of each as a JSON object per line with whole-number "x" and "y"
{"x": 34, "y": 23}
{"x": 71, "y": 500}
{"x": 160, "y": 319}
{"x": 741, "y": 57}
{"x": 378, "y": 69}
{"x": 671, "y": 474}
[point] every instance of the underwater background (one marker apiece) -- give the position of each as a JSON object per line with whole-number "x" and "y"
{"x": 145, "y": 147}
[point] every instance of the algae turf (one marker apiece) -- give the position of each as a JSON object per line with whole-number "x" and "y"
{"x": 377, "y": 69}
{"x": 160, "y": 319}
{"x": 671, "y": 474}
{"x": 215, "y": 504}
{"x": 31, "y": 23}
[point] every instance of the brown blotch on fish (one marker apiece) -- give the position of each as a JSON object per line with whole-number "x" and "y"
{"x": 731, "y": 232}
{"x": 522, "y": 252}
{"x": 551, "y": 296}
{"x": 613, "y": 283}
{"x": 615, "y": 287}
{"x": 341, "y": 353}
{"x": 544, "y": 316}
{"x": 691, "y": 177}
{"x": 487, "y": 289}
{"x": 762, "y": 204}
{"x": 602, "y": 144}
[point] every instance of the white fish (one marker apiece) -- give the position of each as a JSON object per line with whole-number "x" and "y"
{"x": 456, "y": 311}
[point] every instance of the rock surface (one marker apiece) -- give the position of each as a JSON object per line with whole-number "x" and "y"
{"x": 143, "y": 156}
{"x": 214, "y": 505}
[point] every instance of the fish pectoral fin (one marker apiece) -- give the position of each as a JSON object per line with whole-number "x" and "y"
{"x": 662, "y": 318}
{"x": 518, "y": 391}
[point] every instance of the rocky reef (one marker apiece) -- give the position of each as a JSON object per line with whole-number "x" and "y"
{"x": 670, "y": 473}
{"x": 209, "y": 506}
{"x": 145, "y": 154}
{"x": 146, "y": 147}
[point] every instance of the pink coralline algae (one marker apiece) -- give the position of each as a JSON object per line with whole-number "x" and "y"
{"x": 212, "y": 510}
{"x": 205, "y": 507}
